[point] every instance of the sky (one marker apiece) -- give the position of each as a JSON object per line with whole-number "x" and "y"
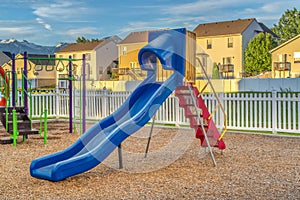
{"x": 48, "y": 22}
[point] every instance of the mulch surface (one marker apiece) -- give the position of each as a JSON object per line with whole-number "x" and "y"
{"x": 253, "y": 166}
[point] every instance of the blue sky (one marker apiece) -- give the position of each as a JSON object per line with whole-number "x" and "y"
{"x": 48, "y": 22}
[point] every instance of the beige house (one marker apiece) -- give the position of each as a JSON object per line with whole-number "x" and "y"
{"x": 286, "y": 59}
{"x": 221, "y": 45}
{"x": 101, "y": 57}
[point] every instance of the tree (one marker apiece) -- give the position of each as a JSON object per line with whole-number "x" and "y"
{"x": 83, "y": 39}
{"x": 257, "y": 56}
{"x": 288, "y": 25}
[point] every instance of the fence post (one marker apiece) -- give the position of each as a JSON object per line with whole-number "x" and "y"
{"x": 57, "y": 98}
{"x": 105, "y": 108}
{"x": 222, "y": 120}
{"x": 274, "y": 112}
{"x": 177, "y": 113}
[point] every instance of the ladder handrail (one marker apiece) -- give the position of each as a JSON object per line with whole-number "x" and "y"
{"x": 217, "y": 98}
{"x": 202, "y": 126}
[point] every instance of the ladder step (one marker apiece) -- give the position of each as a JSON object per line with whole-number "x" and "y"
{"x": 18, "y": 109}
{"x": 6, "y": 140}
{"x": 28, "y": 131}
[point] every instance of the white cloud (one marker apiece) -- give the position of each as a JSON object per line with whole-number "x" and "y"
{"x": 60, "y": 10}
{"x": 41, "y": 21}
{"x": 74, "y": 33}
{"x": 221, "y": 10}
{"x": 15, "y": 30}
{"x": 199, "y": 7}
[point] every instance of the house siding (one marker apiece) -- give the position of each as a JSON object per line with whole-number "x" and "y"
{"x": 220, "y": 50}
{"x": 132, "y": 51}
{"x": 289, "y": 49}
{"x": 109, "y": 53}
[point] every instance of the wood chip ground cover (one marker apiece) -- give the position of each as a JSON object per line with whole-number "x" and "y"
{"x": 252, "y": 167}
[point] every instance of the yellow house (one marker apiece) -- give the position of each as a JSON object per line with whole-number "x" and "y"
{"x": 221, "y": 45}
{"x": 40, "y": 73}
{"x": 286, "y": 59}
{"x": 129, "y": 68}
{"x": 100, "y": 55}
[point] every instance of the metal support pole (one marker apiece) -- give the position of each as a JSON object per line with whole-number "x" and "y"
{"x": 83, "y": 94}
{"x": 120, "y": 157}
{"x": 25, "y": 72}
{"x": 45, "y": 126}
{"x": 70, "y": 96}
{"x": 150, "y": 136}
{"x": 13, "y": 80}
{"x": 15, "y": 127}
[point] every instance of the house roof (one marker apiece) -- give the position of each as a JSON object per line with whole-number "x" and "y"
{"x": 223, "y": 28}
{"x": 41, "y": 61}
{"x": 82, "y": 46}
{"x": 267, "y": 30}
{"x": 89, "y": 46}
{"x": 285, "y": 43}
{"x": 5, "y": 57}
{"x": 136, "y": 37}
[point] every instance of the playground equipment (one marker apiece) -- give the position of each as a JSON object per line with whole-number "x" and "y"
{"x": 167, "y": 47}
{"x": 62, "y": 65}
{"x": 15, "y": 118}
{"x": 16, "y": 113}
{"x": 5, "y": 91}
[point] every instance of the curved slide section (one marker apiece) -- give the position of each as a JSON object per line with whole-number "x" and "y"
{"x": 100, "y": 140}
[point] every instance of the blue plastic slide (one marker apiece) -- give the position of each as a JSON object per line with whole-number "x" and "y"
{"x": 102, "y": 138}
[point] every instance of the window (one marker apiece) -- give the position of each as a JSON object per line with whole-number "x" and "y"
{"x": 124, "y": 50}
{"x": 296, "y": 57}
{"x": 209, "y": 43}
{"x": 88, "y": 56}
{"x": 132, "y": 65}
{"x": 282, "y": 57}
{"x": 62, "y": 84}
{"x": 226, "y": 60}
{"x": 230, "y": 42}
{"x": 74, "y": 56}
{"x": 203, "y": 60}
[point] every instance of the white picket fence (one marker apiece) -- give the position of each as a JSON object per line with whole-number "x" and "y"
{"x": 275, "y": 112}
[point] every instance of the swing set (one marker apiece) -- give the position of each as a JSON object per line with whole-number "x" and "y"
{"x": 11, "y": 102}
{"x": 61, "y": 65}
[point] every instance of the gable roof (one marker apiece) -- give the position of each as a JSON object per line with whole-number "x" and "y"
{"x": 89, "y": 46}
{"x": 285, "y": 43}
{"x": 41, "y": 62}
{"x": 136, "y": 37}
{"x": 82, "y": 46}
{"x": 267, "y": 30}
{"x": 5, "y": 57}
{"x": 223, "y": 28}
